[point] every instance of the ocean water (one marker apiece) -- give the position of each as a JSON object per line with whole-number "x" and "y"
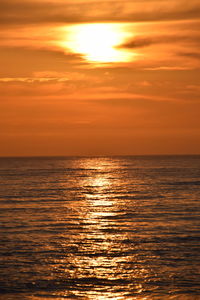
{"x": 100, "y": 228}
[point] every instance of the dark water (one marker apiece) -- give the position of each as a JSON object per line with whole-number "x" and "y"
{"x": 100, "y": 228}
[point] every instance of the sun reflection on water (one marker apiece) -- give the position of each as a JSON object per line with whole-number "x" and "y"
{"x": 103, "y": 255}
{"x": 101, "y": 260}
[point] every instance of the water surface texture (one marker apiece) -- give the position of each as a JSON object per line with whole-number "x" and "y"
{"x": 100, "y": 228}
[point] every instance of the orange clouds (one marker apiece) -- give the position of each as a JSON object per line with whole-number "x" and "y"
{"x": 56, "y": 102}
{"x": 35, "y": 12}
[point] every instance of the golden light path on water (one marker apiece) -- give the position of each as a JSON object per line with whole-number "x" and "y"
{"x": 98, "y": 42}
{"x": 101, "y": 236}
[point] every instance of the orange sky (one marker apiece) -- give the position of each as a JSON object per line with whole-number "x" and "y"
{"x": 85, "y": 77}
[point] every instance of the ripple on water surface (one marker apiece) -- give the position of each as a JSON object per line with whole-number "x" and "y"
{"x": 100, "y": 228}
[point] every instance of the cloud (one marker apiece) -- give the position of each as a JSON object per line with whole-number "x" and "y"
{"x": 24, "y": 61}
{"x": 19, "y": 12}
{"x": 32, "y": 79}
{"x": 169, "y": 68}
{"x": 194, "y": 55}
{"x": 140, "y": 42}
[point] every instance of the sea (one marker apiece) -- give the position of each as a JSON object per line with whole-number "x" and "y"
{"x": 97, "y": 228}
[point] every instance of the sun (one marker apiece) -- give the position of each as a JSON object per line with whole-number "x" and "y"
{"x": 98, "y": 42}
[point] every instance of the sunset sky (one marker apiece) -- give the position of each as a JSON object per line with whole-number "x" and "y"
{"x": 87, "y": 77}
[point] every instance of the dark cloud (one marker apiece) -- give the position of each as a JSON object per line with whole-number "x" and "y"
{"x": 18, "y": 12}
{"x": 140, "y": 42}
{"x": 195, "y": 55}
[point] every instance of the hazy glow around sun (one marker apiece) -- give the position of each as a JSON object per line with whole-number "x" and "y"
{"x": 98, "y": 42}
